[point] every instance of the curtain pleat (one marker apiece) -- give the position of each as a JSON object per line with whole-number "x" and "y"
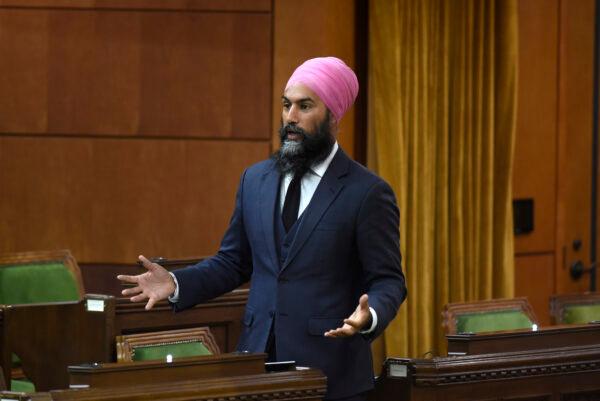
{"x": 441, "y": 127}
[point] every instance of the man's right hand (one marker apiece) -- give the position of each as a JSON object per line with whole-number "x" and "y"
{"x": 154, "y": 285}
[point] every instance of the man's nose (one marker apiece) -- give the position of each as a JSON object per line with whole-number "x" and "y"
{"x": 292, "y": 115}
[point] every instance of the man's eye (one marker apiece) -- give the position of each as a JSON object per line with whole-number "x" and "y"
{"x": 305, "y": 106}
{"x": 286, "y": 106}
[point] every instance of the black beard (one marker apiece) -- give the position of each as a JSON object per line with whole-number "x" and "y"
{"x": 298, "y": 156}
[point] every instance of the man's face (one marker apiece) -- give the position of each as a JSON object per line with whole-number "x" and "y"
{"x": 302, "y": 108}
{"x": 306, "y": 130}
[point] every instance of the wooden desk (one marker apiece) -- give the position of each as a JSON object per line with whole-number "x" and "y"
{"x": 301, "y": 385}
{"x": 566, "y": 373}
{"x": 48, "y": 337}
{"x": 150, "y": 372}
{"x": 523, "y": 340}
{"x": 223, "y": 315}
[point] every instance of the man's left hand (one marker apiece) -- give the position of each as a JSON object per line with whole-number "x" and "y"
{"x": 356, "y": 322}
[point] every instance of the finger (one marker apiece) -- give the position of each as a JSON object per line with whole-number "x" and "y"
{"x": 139, "y": 297}
{"x": 131, "y": 291}
{"x": 150, "y": 303}
{"x": 353, "y": 322}
{"x": 345, "y": 331}
{"x": 364, "y": 301}
{"x": 147, "y": 264}
{"x": 338, "y": 333}
{"x": 127, "y": 279}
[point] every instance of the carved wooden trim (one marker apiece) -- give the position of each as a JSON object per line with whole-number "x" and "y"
{"x": 491, "y": 367}
{"x": 126, "y": 344}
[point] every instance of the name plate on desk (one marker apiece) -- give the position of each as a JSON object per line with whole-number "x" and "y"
{"x": 523, "y": 340}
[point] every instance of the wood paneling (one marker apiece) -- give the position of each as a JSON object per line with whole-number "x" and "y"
{"x": 181, "y": 5}
{"x": 535, "y": 147}
{"x": 553, "y": 143}
{"x": 534, "y": 279}
{"x": 307, "y": 29}
{"x": 111, "y": 199}
{"x": 185, "y": 74}
{"x": 575, "y": 139}
{"x": 125, "y": 125}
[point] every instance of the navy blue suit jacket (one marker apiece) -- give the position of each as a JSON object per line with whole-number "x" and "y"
{"x": 347, "y": 244}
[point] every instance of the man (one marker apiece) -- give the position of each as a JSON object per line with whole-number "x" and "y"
{"x": 316, "y": 233}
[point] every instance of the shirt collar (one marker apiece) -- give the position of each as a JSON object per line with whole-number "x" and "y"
{"x": 321, "y": 167}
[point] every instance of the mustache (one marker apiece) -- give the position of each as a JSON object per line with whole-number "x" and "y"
{"x": 291, "y": 128}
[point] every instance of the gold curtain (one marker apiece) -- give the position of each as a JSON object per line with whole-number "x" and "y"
{"x": 442, "y": 104}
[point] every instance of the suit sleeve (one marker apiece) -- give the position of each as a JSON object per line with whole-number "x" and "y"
{"x": 225, "y": 271}
{"x": 378, "y": 241}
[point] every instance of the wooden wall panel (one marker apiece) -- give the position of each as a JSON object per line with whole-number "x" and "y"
{"x": 536, "y": 138}
{"x": 575, "y": 139}
{"x": 552, "y": 149}
{"x": 109, "y": 200}
{"x": 175, "y": 5}
{"x": 534, "y": 279}
{"x": 107, "y": 72}
{"x": 125, "y": 125}
{"x": 322, "y": 35}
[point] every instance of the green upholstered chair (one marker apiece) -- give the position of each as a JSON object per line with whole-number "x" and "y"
{"x": 157, "y": 345}
{"x": 487, "y": 316}
{"x": 37, "y": 277}
{"x": 575, "y": 308}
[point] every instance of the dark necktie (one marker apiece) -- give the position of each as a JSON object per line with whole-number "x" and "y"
{"x": 292, "y": 202}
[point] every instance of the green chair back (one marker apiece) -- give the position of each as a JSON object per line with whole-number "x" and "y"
{"x": 37, "y": 277}
{"x": 176, "y": 350}
{"x": 478, "y": 322}
{"x": 22, "y": 386}
{"x": 581, "y": 314}
{"x": 37, "y": 282}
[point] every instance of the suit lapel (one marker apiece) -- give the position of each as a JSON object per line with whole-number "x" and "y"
{"x": 268, "y": 196}
{"x": 327, "y": 190}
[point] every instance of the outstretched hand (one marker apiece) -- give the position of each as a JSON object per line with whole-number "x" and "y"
{"x": 356, "y": 322}
{"x": 154, "y": 285}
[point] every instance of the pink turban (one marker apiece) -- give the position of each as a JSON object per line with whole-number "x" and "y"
{"x": 331, "y": 79}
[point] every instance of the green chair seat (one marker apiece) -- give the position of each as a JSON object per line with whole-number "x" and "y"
{"x": 581, "y": 314}
{"x": 176, "y": 350}
{"x": 479, "y": 322}
{"x": 22, "y": 386}
{"x": 39, "y": 282}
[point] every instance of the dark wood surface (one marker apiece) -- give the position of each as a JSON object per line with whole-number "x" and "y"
{"x": 567, "y": 373}
{"x": 148, "y": 372}
{"x": 223, "y": 315}
{"x": 49, "y": 337}
{"x": 101, "y": 278}
{"x": 307, "y": 385}
{"x": 523, "y": 340}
